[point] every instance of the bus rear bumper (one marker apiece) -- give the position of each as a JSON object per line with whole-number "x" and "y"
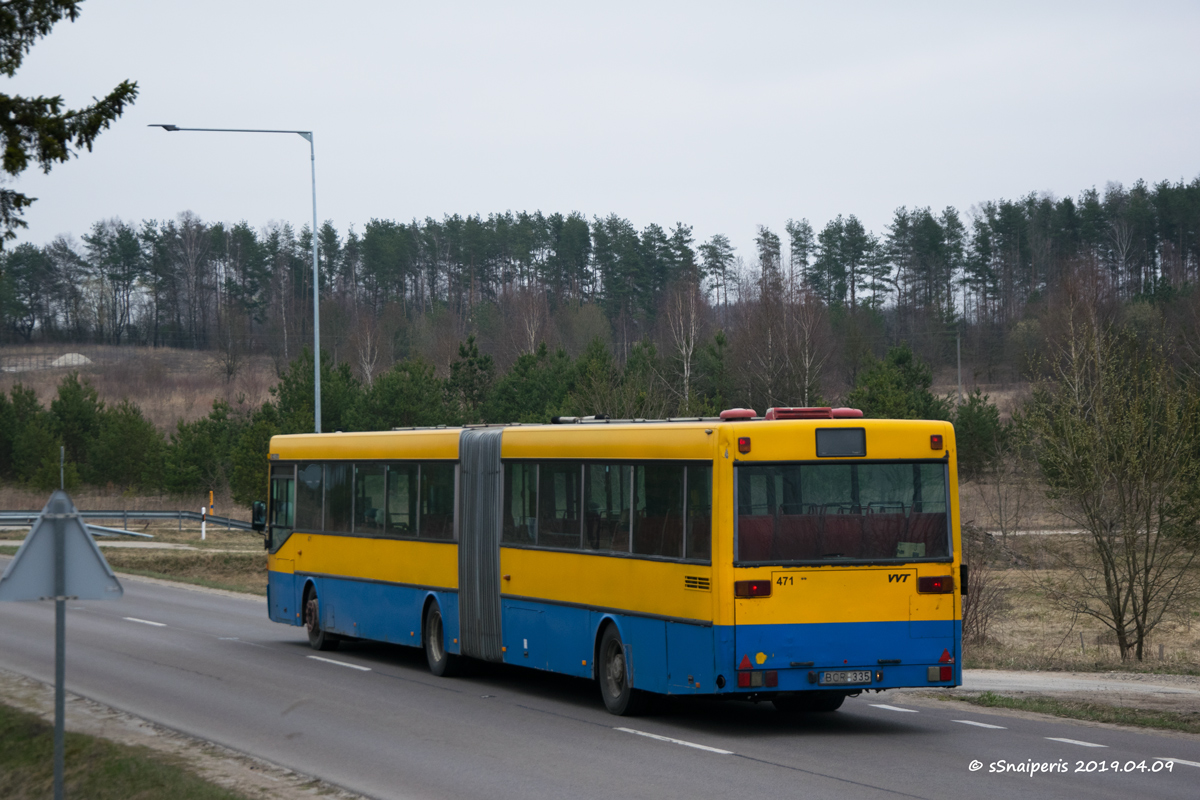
{"x": 846, "y": 656}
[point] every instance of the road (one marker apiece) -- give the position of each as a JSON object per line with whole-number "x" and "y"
{"x": 372, "y": 719}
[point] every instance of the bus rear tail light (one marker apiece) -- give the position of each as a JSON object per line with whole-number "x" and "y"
{"x": 743, "y": 444}
{"x": 939, "y": 674}
{"x": 757, "y": 679}
{"x": 752, "y": 589}
{"x": 938, "y": 584}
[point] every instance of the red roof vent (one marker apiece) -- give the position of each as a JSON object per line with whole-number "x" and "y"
{"x": 738, "y": 413}
{"x": 800, "y": 413}
{"x": 813, "y": 412}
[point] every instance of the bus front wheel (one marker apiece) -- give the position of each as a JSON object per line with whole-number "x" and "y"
{"x": 620, "y": 697}
{"x": 318, "y": 638}
{"x": 441, "y": 663}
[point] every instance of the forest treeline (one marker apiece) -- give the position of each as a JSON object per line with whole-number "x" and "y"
{"x": 114, "y": 446}
{"x": 794, "y": 321}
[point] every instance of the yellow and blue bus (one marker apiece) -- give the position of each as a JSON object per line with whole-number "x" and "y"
{"x": 798, "y": 557}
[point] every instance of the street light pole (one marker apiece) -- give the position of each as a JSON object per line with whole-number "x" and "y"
{"x": 308, "y": 136}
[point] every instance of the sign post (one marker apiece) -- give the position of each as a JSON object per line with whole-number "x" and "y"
{"x": 59, "y": 561}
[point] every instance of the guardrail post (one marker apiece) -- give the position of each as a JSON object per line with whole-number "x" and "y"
{"x": 203, "y": 521}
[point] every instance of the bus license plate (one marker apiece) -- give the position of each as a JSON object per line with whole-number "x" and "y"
{"x": 840, "y": 678}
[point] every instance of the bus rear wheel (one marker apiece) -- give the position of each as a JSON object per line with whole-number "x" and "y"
{"x": 804, "y": 702}
{"x": 318, "y": 638}
{"x": 441, "y": 663}
{"x": 612, "y": 673}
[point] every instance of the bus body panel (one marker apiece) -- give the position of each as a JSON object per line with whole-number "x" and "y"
{"x": 679, "y": 639}
{"x": 283, "y": 601}
{"x": 595, "y": 580}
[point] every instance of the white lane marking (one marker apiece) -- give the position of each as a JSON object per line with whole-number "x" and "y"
{"x": 146, "y": 622}
{"x": 979, "y": 724}
{"x": 1075, "y": 741}
{"x": 341, "y": 663}
{"x": 676, "y": 741}
{"x": 1181, "y": 761}
{"x": 227, "y": 638}
{"x": 894, "y": 708}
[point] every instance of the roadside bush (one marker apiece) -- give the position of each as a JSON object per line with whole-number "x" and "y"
{"x": 533, "y": 390}
{"x": 199, "y": 456}
{"x": 128, "y": 450}
{"x": 76, "y": 415}
{"x": 407, "y": 395}
{"x": 898, "y": 388}
{"x": 248, "y": 479}
{"x": 982, "y": 439}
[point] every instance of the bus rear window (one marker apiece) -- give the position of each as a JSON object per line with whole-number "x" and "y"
{"x": 831, "y": 512}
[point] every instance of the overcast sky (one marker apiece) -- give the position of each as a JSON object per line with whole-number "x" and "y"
{"x": 723, "y": 116}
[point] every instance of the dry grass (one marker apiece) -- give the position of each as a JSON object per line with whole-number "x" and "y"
{"x": 167, "y": 384}
{"x": 237, "y": 572}
{"x": 1030, "y": 632}
{"x": 89, "y": 498}
{"x": 1019, "y": 498}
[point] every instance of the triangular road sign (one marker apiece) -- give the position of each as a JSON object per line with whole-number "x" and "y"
{"x": 31, "y": 573}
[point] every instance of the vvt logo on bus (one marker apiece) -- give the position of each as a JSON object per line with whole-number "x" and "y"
{"x": 901, "y": 578}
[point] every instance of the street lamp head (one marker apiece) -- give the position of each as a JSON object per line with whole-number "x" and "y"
{"x": 164, "y": 127}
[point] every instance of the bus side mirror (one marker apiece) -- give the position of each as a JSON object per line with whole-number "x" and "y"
{"x": 258, "y": 516}
{"x": 963, "y": 573}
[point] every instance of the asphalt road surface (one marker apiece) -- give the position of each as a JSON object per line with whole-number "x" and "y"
{"x": 372, "y": 719}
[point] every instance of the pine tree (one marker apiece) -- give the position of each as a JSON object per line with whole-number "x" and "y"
{"x": 39, "y": 129}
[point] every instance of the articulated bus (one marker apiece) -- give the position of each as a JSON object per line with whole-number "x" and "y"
{"x": 800, "y": 557}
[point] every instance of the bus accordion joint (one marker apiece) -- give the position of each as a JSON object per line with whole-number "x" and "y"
{"x": 936, "y": 584}
{"x": 752, "y": 589}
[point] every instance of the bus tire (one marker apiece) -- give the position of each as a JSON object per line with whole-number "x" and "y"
{"x": 433, "y": 634}
{"x": 318, "y": 637}
{"x": 612, "y": 674}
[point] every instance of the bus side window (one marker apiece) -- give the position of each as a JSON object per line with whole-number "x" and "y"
{"x": 658, "y": 510}
{"x": 310, "y": 497}
{"x": 520, "y": 503}
{"x": 606, "y": 503}
{"x": 699, "y": 512}
{"x": 437, "y": 501}
{"x": 558, "y": 522}
{"x": 369, "y": 498}
{"x": 339, "y": 495}
{"x": 283, "y": 498}
{"x": 401, "y": 509}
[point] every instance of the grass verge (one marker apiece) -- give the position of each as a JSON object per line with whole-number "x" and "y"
{"x": 1094, "y": 712}
{"x": 94, "y": 768}
{"x": 238, "y": 572}
{"x": 235, "y": 572}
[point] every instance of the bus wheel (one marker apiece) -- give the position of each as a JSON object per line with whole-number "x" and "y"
{"x": 620, "y": 697}
{"x": 318, "y": 639}
{"x": 441, "y": 663}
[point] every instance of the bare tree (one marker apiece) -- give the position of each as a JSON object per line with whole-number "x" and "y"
{"x": 365, "y": 343}
{"x": 1116, "y": 436}
{"x": 684, "y": 311}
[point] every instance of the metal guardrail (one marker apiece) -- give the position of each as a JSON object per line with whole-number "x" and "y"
{"x": 27, "y": 517}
